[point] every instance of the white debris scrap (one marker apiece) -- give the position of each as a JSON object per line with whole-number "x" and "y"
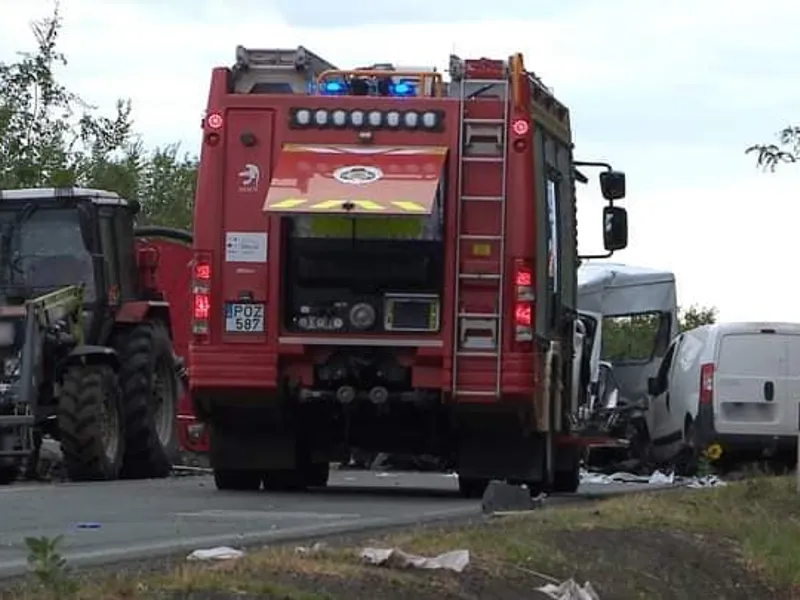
{"x": 706, "y": 482}
{"x": 218, "y": 553}
{"x": 570, "y": 590}
{"x": 656, "y": 478}
{"x": 306, "y": 550}
{"x": 457, "y": 560}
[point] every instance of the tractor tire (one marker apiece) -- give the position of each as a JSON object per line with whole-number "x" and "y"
{"x": 90, "y": 423}
{"x": 149, "y": 401}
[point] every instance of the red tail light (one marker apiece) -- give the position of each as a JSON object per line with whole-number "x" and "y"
{"x": 707, "y": 383}
{"x": 202, "y": 306}
{"x": 522, "y": 314}
{"x": 523, "y": 300}
{"x": 201, "y": 295}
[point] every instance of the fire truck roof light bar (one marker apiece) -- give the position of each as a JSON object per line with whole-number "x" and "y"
{"x": 420, "y": 78}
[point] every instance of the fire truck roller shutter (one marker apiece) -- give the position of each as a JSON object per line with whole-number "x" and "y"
{"x": 339, "y": 191}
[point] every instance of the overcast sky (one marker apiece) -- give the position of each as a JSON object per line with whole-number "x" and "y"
{"x": 670, "y": 91}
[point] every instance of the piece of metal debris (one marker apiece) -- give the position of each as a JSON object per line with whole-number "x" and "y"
{"x": 218, "y": 553}
{"x": 501, "y": 497}
{"x": 457, "y": 560}
{"x": 569, "y": 590}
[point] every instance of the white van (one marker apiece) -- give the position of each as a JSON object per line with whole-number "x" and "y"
{"x": 735, "y": 385}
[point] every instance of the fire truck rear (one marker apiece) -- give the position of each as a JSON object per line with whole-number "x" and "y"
{"x": 385, "y": 260}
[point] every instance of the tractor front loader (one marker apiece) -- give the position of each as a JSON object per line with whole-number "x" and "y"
{"x": 55, "y": 384}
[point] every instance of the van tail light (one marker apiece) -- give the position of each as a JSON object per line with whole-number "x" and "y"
{"x": 523, "y": 300}
{"x": 201, "y": 296}
{"x": 707, "y": 383}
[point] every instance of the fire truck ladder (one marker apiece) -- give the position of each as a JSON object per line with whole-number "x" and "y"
{"x": 480, "y": 247}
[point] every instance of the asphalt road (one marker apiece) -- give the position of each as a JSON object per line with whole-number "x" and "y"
{"x": 105, "y": 523}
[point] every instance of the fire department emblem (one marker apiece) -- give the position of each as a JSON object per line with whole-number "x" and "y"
{"x": 357, "y": 174}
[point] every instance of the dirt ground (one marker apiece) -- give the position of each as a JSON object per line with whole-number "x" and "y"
{"x": 737, "y": 542}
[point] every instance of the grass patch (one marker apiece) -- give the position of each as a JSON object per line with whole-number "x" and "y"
{"x": 739, "y": 541}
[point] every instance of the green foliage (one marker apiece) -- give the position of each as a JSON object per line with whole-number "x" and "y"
{"x": 49, "y": 567}
{"x": 50, "y": 136}
{"x": 633, "y": 338}
{"x": 787, "y": 150}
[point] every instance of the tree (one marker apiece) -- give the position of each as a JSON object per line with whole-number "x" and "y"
{"x": 696, "y": 316}
{"x": 787, "y": 150}
{"x": 50, "y": 136}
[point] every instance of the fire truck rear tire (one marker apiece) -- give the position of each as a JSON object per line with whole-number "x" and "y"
{"x": 471, "y": 487}
{"x": 90, "y": 424}
{"x": 237, "y": 480}
{"x": 567, "y": 482}
{"x": 150, "y": 421}
{"x": 317, "y": 474}
{"x": 8, "y": 474}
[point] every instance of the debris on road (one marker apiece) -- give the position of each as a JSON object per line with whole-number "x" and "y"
{"x": 505, "y": 497}
{"x": 457, "y": 560}
{"x": 570, "y": 590}
{"x": 88, "y": 525}
{"x": 308, "y": 550}
{"x": 218, "y": 553}
{"x": 655, "y": 478}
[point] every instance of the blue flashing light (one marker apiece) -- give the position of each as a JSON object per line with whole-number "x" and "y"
{"x": 333, "y": 88}
{"x": 404, "y": 88}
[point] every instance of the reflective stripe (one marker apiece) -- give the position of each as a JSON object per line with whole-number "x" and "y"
{"x": 409, "y": 206}
{"x": 290, "y": 203}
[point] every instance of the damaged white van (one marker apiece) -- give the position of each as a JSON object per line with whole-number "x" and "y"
{"x": 730, "y": 390}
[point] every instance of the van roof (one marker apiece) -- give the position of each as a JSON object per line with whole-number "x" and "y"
{"x": 753, "y": 327}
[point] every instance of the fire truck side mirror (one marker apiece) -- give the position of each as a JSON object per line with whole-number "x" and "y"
{"x": 615, "y": 228}
{"x": 612, "y": 185}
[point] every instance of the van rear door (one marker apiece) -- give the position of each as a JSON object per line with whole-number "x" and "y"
{"x": 755, "y": 390}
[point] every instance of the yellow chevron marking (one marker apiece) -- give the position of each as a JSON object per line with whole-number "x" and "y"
{"x": 289, "y": 203}
{"x": 409, "y": 206}
{"x": 327, "y": 204}
{"x": 368, "y": 205}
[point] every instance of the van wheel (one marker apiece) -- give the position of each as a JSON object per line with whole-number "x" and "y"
{"x": 689, "y": 457}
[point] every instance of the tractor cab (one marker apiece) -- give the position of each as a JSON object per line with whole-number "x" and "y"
{"x": 52, "y": 238}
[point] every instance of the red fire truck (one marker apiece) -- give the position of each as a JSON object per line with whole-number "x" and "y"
{"x": 387, "y": 260}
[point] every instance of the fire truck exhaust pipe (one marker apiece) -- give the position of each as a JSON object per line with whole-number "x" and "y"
{"x": 378, "y": 395}
{"x": 345, "y": 394}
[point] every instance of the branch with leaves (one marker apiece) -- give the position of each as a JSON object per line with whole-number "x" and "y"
{"x": 787, "y": 150}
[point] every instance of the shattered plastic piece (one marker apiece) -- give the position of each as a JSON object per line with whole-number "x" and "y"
{"x": 659, "y": 478}
{"x": 457, "y": 560}
{"x": 570, "y": 590}
{"x": 218, "y": 553}
{"x": 306, "y": 550}
{"x": 708, "y": 481}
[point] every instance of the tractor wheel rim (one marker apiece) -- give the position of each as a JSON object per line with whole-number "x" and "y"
{"x": 163, "y": 405}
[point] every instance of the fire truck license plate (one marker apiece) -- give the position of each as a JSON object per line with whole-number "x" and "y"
{"x": 244, "y": 318}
